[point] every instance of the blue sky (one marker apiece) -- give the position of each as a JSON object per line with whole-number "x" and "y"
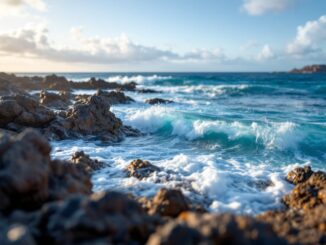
{"x": 169, "y": 35}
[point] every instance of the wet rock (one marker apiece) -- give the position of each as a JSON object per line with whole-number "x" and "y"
{"x": 107, "y": 216}
{"x": 58, "y": 101}
{"x": 28, "y": 177}
{"x": 299, "y": 175}
{"x": 193, "y": 228}
{"x": 91, "y": 116}
{"x": 7, "y": 88}
{"x": 308, "y": 194}
{"x": 158, "y": 101}
{"x": 94, "y": 83}
{"x": 85, "y": 163}
{"x": 168, "y": 202}
{"x": 24, "y": 111}
{"x": 141, "y": 169}
{"x": 299, "y": 226}
{"x": 147, "y": 91}
{"x": 56, "y": 83}
{"x": 114, "y": 97}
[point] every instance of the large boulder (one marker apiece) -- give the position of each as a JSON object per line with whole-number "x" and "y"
{"x": 114, "y": 97}
{"x": 102, "y": 218}
{"x": 299, "y": 175}
{"x": 91, "y": 116}
{"x": 56, "y": 83}
{"x": 24, "y": 111}
{"x": 155, "y": 101}
{"x": 84, "y": 162}
{"x": 141, "y": 169}
{"x": 29, "y": 178}
{"x": 168, "y": 202}
{"x": 309, "y": 193}
{"x": 193, "y": 228}
{"x": 298, "y": 226}
{"x": 57, "y": 101}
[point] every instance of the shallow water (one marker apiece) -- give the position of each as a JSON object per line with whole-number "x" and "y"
{"x": 227, "y": 141}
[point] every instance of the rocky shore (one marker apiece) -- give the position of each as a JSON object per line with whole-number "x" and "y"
{"x": 310, "y": 69}
{"x": 50, "y": 201}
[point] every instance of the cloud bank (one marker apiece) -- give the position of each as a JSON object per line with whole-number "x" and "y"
{"x": 309, "y": 39}
{"x": 33, "y": 42}
{"x": 260, "y": 7}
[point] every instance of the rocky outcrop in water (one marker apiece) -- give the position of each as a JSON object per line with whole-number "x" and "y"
{"x": 29, "y": 177}
{"x": 85, "y": 163}
{"x": 141, "y": 169}
{"x": 158, "y": 101}
{"x": 193, "y": 228}
{"x": 310, "y": 69}
{"x": 304, "y": 219}
{"x": 21, "y": 111}
{"x": 57, "y": 101}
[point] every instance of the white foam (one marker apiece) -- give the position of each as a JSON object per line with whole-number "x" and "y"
{"x": 137, "y": 78}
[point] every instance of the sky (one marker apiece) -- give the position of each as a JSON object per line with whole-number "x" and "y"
{"x": 161, "y": 36}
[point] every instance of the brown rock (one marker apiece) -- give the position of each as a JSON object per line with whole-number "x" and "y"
{"x": 193, "y": 228}
{"x": 56, "y": 83}
{"x": 24, "y": 111}
{"x": 299, "y": 226}
{"x": 114, "y": 97}
{"x": 158, "y": 101}
{"x": 85, "y": 163}
{"x": 107, "y": 216}
{"x": 141, "y": 169}
{"x": 58, "y": 101}
{"x": 306, "y": 194}
{"x": 28, "y": 177}
{"x": 299, "y": 175}
{"x": 169, "y": 203}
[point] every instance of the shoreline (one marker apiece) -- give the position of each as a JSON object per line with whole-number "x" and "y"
{"x": 168, "y": 217}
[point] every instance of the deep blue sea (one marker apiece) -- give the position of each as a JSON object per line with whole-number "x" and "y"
{"x": 227, "y": 141}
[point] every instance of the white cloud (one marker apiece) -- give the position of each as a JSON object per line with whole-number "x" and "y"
{"x": 259, "y": 7}
{"x": 265, "y": 53}
{"x": 34, "y": 42}
{"x": 310, "y": 38}
{"x": 18, "y": 7}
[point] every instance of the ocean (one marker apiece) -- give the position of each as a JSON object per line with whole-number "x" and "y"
{"x": 227, "y": 141}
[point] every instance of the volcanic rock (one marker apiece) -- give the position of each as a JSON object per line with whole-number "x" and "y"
{"x": 53, "y": 100}
{"x": 141, "y": 169}
{"x": 158, "y": 101}
{"x": 299, "y": 175}
{"x": 28, "y": 177}
{"x": 192, "y": 228}
{"x": 85, "y": 163}
{"x": 24, "y": 111}
{"x": 168, "y": 202}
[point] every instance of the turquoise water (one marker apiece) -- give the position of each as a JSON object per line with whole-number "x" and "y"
{"x": 227, "y": 141}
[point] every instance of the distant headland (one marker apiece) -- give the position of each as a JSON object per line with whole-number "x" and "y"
{"x": 310, "y": 69}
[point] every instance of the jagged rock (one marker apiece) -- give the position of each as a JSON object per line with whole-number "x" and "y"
{"x": 24, "y": 111}
{"x": 168, "y": 202}
{"x": 94, "y": 83}
{"x": 158, "y": 101}
{"x": 56, "y": 83}
{"x": 85, "y": 163}
{"x": 107, "y": 216}
{"x": 311, "y": 69}
{"x": 141, "y": 169}
{"x": 114, "y": 97}
{"x": 308, "y": 194}
{"x": 298, "y": 226}
{"x": 7, "y": 88}
{"x": 299, "y": 175}
{"x": 192, "y": 228}
{"x": 57, "y": 101}
{"x": 147, "y": 91}
{"x": 28, "y": 177}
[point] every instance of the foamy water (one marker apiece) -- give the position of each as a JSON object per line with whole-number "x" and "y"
{"x": 227, "y": 141}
